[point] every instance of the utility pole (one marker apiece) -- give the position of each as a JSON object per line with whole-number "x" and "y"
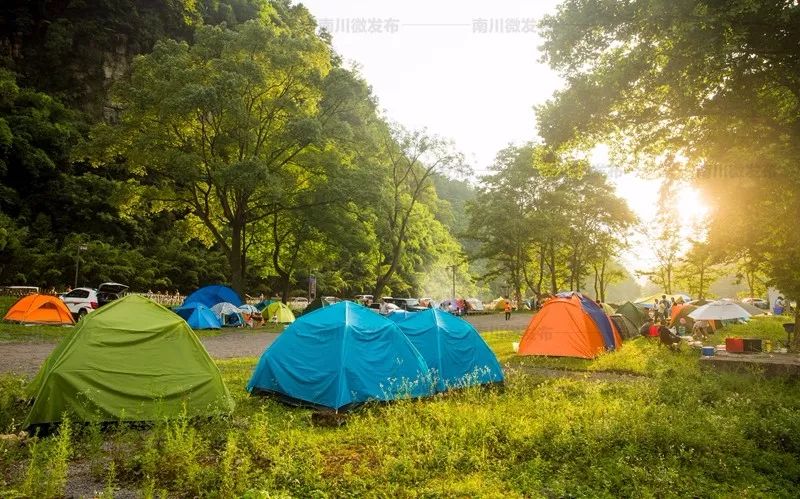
{"x": 77, "y": 263}
{"x": 453, "y": 268}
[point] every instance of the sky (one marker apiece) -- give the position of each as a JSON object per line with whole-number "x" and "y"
{"x": 466, "y": 70}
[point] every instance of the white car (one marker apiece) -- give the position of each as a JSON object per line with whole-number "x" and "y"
{"x": 298, "y": 303}
{"x": 80, "y": 301}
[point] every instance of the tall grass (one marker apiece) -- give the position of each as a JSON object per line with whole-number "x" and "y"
{"x": 673, "y": 431}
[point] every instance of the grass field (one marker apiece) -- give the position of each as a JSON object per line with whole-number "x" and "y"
{"x": 673, "y": 430}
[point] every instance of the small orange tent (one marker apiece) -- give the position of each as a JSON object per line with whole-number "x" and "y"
{"x": 40, "y": 309}
{"x": 564, "y": 328}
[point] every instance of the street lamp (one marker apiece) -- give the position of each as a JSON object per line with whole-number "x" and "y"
{"x": 77, "y": 263}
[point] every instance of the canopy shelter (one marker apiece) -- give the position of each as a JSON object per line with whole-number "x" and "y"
{"x": 339, "y": 357}
{"x": 211, "y": 295}
{"x": 39, "y": 309}
{"x": 131, "y": 360}
{"x": 719, "y": 310}
{"x": 608, "y": 309}
{"x": 228, "y": 314}
{"x": 279, "y": 312}
{"x": 454, "y": 351}
{"x": 198, "y": 316}
{"x": 634, "y": 313}
{"x": 627, "y": 329}
{"x": 570, "y": 325}
{"x": 649, "y": 301}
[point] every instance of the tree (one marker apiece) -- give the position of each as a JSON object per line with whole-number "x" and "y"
{"x": 707, "y": 82}
{"x": 217, "y": 126}
{"x": 408, "y": 161}
{"x": 699, "y": 268}
{"x": 537, "y": 221}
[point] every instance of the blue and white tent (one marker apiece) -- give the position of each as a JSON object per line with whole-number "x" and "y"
{"x": 341, "y": 356}
{"x": 454, "y": 351}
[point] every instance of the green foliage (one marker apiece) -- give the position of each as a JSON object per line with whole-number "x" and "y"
{"x": 545, "y": 225}
{"x": 46, "y": 474}
{"x": 700, "y": 90}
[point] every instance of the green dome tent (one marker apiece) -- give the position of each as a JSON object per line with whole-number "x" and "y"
{"x": 279, "y": 312}
{"x": 633, "y": 313}
{"x": 131, "y": 360}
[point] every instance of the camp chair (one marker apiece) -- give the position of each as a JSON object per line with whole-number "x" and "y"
{"x": 666, "y": 337}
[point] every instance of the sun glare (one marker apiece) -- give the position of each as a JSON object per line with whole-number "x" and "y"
{"x": 692, "y": 205}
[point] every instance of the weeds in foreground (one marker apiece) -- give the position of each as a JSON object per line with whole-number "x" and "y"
{"x": 676, "y": 429}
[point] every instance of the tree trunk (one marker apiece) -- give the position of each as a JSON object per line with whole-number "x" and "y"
{"x": 552, "y": 266}
{"x": 235, "y": 258}
{"x": 795, "y": 346}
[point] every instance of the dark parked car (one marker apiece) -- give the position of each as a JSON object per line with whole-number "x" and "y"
{"x": 110, "y": 291}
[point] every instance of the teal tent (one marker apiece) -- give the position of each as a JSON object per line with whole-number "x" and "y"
{"x": 341, "y": 356}
{"x": 454, "y": 351}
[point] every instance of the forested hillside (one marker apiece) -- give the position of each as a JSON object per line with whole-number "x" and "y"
{"x": 181, "y": 143}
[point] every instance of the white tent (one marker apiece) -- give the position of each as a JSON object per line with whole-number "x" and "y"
{"x": 719, "y": 310}
{"x": 475, "y": 304}
{"x": 225, "y": 308}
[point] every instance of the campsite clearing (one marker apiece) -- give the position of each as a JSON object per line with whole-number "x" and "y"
{"x": 633, "y": 422}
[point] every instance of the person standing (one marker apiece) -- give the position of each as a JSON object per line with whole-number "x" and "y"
{"x": 779, "y": 307}
{"x": 507, "y": 309}
{"x": 667, "y": 308}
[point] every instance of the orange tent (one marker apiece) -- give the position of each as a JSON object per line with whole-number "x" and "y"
{"x": 40, "y": 309}
{"x": 564, "y": 328}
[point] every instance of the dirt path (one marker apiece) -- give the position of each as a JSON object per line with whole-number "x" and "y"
{"x": 26, "y": 357}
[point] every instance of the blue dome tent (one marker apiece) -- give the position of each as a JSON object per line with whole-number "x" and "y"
{"x": 211, "y": 295}
{"x": 198, "y": 316}
{"x": 454, "y": 351}
{"x": 341, "y": 356}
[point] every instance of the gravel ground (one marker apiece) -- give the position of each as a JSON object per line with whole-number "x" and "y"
{"x": 26, "y": 357}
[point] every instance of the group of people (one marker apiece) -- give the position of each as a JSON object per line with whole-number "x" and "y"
{"x": 662, "y": 309}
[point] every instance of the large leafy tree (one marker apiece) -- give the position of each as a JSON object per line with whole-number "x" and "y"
{"x": 405, "y": 164}
{"x": 217, "y": 126}
{"x": 713, "y": 87}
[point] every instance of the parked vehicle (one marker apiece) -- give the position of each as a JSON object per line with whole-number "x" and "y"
{"x": 409, "y": 304}
{"x": 364, "y": 298}
{"x": 298, "y": 303}
{"x": 110, "y": 291}
{"x": 81, "y": 301}
{"x": 757, "y": 302}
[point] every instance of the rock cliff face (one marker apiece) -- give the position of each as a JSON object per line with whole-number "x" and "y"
{"x": 76, "y": 50}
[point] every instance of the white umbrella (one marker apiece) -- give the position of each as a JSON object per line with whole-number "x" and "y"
{"x": 719, "y": 311}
